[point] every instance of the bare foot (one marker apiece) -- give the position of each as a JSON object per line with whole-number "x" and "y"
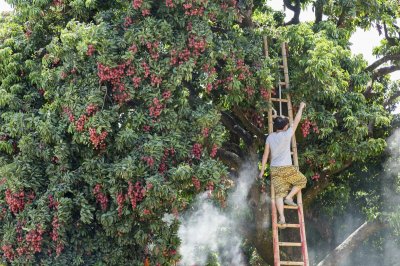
{"x": 289, "y": 201}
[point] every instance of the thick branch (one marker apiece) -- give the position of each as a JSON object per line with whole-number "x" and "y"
{"x": 379, "y": 73}
{"x": 229, "y": 158}
{"x": 229, "y": 122}
{"x": 384, "y": 71}
{"x": 341, "y": 252}
{"x": 391, "y": 99}
{"x": 248, "y": 124}
{"x": 368, "y": 91}
{"x": 376, "y": 73}
{"x": 391, "y": 40}
{"x": 289, "y": 5}
{"x": 246, "y": 12}
{"x": 381, "y": 61}
{"x": 218, "y": 29}
{"x": 296, "y": 9}
{"x": 319, "y": 8}
{"x": 341, "y": 19}
{"x": 233, "y": 147}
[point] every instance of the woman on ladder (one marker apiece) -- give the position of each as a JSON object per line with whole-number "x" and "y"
{"x": 284, "y": 175}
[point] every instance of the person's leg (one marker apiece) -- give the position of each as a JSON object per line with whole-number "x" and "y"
{"x": 298, "y": 181}
{"x": 281, "y": 187}
{"x": 279, "y": 207}
{"x": 292, "y": 193}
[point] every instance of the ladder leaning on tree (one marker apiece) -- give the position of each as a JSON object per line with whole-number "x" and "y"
{"x": 300, "y": 225}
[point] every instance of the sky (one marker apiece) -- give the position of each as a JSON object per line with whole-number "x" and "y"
{"x": 363, "y": 41}
{"x": 4, "y": 6}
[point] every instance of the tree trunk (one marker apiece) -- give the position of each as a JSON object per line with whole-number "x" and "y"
{"x": 246, "y": 12}
{"x": 259, "y": 232}
{"x": 296, "y": 8}
{"x": 342, "y": 251}
{"x": 319, "y": 9}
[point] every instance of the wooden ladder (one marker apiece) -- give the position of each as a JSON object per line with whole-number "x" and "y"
{"x": 275, "y": 226}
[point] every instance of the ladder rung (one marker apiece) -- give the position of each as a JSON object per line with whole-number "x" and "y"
{"x": 288, "y": 225}
{"x": 290, "y": 207}
{"x": 291, "y": 263}
{"x": 281, "y": 66}
{"x": 282, "y": 83}
{"x": 290, "y": 244}
{"x": 279, "y": 100}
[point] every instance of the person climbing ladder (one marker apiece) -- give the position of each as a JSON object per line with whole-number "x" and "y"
{"x": 284, "y": 175}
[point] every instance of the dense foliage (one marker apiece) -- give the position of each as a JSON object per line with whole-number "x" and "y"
{"x": 116, "y": 114}
{"x": 102, "y": 144}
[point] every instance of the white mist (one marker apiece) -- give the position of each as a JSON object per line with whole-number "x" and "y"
{"x": 209, "y": 230}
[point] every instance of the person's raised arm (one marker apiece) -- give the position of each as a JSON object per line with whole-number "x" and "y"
{"x": 297, "y": 119}
{"x": 264, "y": 160}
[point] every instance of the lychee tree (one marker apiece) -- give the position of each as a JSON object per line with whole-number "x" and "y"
{"x": 116, "y": 114}
{"x": 107, "y": 129}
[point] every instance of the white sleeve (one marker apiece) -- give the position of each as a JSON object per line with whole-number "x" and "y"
{"x": 290, "y": 131}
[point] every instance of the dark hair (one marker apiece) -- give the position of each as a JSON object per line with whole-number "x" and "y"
{"x": 280, "y": 122}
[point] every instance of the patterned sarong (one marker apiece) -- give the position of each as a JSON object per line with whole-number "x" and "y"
{"x": 284, "y": 177}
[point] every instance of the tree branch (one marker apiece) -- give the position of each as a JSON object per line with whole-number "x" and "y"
{"x": 289, "y": 5}
{"x": 318, "y": 10}
{"x": 229, "y": 122}
{"x": 218, "y": 29}
{"x": 248, "y": 124}
{"x": 384, "y": 71}
{"x": 296, "y": 9}
{"x": 246, "y": 12}
{"x": 233, "y": 147}
{"x": 379, "y": 73}
{"x": 341, "y": 19}
{"x": 368, "y": 91}
{"x": 391, "y": 99}
{"x": 376, "y": 73}
{"x": 341, "y": 252}
{"x": 391, "y": 41}
{"x": 382, "y": 60}
{"x": 229, "y": 158}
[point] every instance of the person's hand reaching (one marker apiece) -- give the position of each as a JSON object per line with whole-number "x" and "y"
{"x": 260, "y": 176}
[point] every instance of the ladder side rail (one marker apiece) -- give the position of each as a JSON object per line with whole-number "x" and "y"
{"x": 285, "y": 65}
{"x": 294, "y": 143}
{"x": 275, "y": 237}
{"x": 303, "y": 238}
{"x": 265, "y": 40}
{"x": 290, "y": 107}
{"x": 295, "y": 161}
